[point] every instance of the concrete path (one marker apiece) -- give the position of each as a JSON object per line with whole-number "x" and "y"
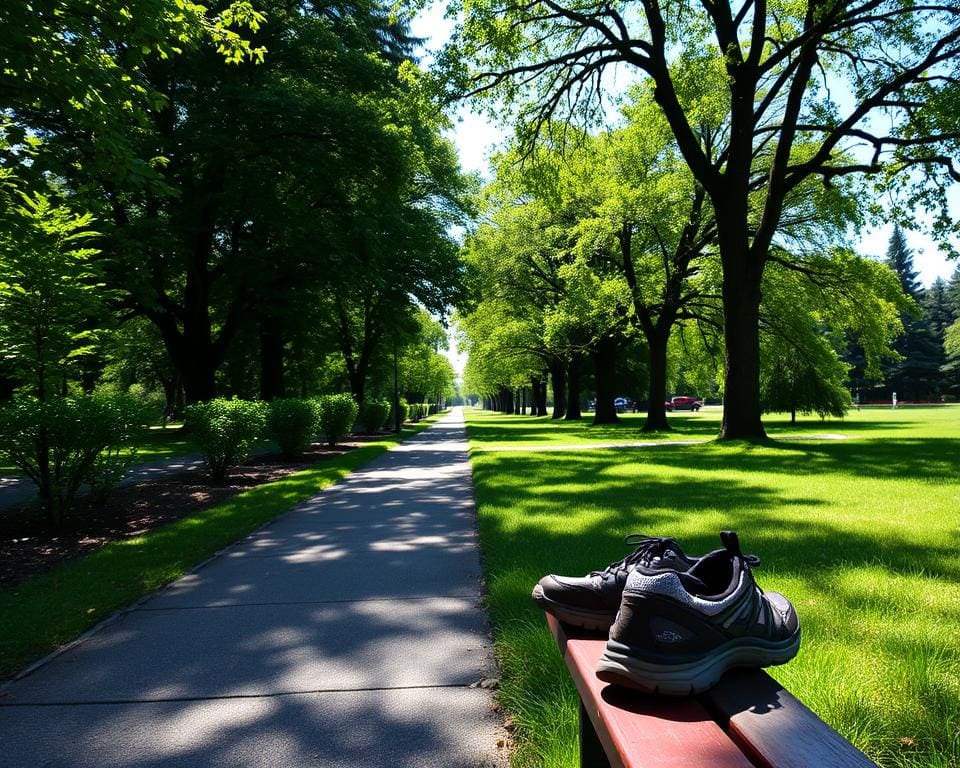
{"x": 347, "y": 633}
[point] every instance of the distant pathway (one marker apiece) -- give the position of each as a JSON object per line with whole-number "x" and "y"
{"x": 347, "y": 634}
{"x": 537, "y": 447}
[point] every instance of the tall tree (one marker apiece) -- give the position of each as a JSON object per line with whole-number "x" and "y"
{"x": 782, "y": 124}
{"x": 937, "y": 309}
{"x": 661, "y": 226}
{"x": 513, "y": 259}
{"x": 900, "y": 260}
{"x": 806, "y": 323}
{"x": 916, "y": 375}
{"x": 279, "y": 181}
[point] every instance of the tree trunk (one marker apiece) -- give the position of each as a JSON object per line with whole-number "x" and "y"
{"x": 657, "y": 391}
{"x": 741, "y": 336}
{"x": 181, "y": 397}
{"x": 357, "y": 353}
{"x": 539, "y": 387}
{"x": 506, "y": 400}
{"x": 573, "y": 390}
{"x": 271, "y": 359}
{"x": 605, "y": 363}
{"x": 198, "y": 378}
{"x": 558, "y": 375}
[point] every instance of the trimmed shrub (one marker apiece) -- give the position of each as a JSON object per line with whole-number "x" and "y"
{"x": 373, "y": 415}
{"x": 420, "y": 411}
{"x": 62, "y": 443}
{"x": 226, "y": 430}
{"x": 292, "y": 424}
{"x": 337, "y": 415}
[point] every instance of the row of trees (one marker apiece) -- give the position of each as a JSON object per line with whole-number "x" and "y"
{"x": 255, "y": 202}
{"x": 765, "y": 104}
{"x": 600, "y": 258}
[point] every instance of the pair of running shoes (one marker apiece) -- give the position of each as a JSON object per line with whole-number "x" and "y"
{"x": 676, "y": 623}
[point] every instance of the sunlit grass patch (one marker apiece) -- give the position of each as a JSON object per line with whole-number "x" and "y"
{"x": 863, "y": 534}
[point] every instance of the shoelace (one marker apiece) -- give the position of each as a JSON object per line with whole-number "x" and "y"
{"x": 646, "y": 548}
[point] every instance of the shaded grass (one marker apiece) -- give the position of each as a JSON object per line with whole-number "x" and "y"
{"x": 48, "y": 610}
{"x": 862, "y": 534}
{"x": 165, "y": 443}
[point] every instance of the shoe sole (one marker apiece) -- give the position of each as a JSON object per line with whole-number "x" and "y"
{"x": 600, "y": 621}
{"x": 619, "y": 666}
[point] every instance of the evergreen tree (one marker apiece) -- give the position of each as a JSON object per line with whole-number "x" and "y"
{"x": 953, "y": 293}
{"x": 900, "y": 260}
{"x": 950, "y": 370}
{"x": 938, "y": 313}
{"x": 917, "y": 375}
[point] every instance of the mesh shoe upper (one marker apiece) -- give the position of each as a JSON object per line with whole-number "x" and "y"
{"x": 602, "y": 590}
{"x": 678, "y": 616}
{"x": 592, "y": 601}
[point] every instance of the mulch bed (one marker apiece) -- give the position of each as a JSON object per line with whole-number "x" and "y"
{"x": 29, "y": 547}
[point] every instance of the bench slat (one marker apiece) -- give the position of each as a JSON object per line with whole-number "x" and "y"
{"x": 640, "y": 731}
{"x": 776, "y": 729}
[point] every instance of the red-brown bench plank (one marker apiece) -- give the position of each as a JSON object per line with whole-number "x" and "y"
{"x": 776, "y": 729}
{"x": 749, "y": 719}
{"x": 639, "y": 731}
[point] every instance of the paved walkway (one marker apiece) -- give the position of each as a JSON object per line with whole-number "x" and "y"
{"x": 346, "y": 633}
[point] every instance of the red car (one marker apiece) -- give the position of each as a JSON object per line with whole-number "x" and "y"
{"x": 683, "y": 404}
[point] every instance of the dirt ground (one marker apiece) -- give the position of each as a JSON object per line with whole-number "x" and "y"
{"x": 28, "y": 546}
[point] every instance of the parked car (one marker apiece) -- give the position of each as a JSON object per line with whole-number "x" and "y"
{"x": 683, "y": 404}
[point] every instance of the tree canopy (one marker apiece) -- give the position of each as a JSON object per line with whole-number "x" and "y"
{"x": 269, "y": 184}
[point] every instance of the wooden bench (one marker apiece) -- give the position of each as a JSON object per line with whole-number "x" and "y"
{"x": 747, "y": 721}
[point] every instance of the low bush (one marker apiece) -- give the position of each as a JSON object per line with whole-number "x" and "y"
{"x": 64, "y": 442}
{"x": 373, "y": 415}
{"x": 420, "y": 411}
{"x": 292, "y": 424}
{"x": 337, "y": 415}
{"x": 226, "y": 430}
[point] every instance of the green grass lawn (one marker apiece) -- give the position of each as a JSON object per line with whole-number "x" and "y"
{"x": 862, "y": 534}
{"x": 164, "y": 443}
{"x": 48, "y": 610}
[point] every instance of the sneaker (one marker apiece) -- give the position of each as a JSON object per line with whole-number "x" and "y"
{"x": 592, "y": 601}
{"x": 677, "y": 633}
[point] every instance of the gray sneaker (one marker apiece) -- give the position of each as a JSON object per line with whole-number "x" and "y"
{"x": 678, "y": 632}
{"x": 592, "y": 601}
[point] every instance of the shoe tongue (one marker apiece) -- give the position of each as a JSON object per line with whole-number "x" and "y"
{"x": 731, "y": 543}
